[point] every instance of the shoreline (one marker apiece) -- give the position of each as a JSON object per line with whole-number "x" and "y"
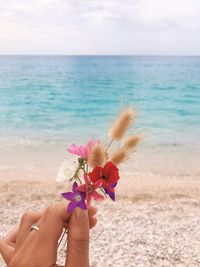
{"x": 154, "y": 160}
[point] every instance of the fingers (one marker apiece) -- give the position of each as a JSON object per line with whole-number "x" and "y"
{"x": 51, "y": 224}
{"x": 92, "y": 222}
{"x": 91, "y": 213}
{"x": 7, "y": 251}
{"x": 11, "y": 236}
{"x": 7, "y": 246}
{"x": 27, "y": 220}
{"x": 55, "y": 219}
{"x": 78, "y": 239}
{"x": 44, "y": 242}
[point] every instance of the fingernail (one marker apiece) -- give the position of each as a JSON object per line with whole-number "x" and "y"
{"x": 81, "y": 215}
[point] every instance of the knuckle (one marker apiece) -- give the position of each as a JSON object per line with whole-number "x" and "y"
{"x": 27, "y": 217}
{"x": 55, "y": 212}
{"x": 51, "y": 212}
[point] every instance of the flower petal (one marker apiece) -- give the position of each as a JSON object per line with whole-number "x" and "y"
{"x": 98, "y": 197}
{"x": 109, "y": 188}
{"x": 71, "y": 206}
{"x": 74, "y": 187}
{"x": 88, "y": 200}
{"x": 89, "y": 146}
{"x": 111, "y": 172}
{"x": 73, "y": 149}
{"x": 68, "y": 195}
{"x": 114, "y": 185}
{"x": 83, "y": 152}
{"x": 87, "y": 179}
{"x": 82, "y": 194}
{"x": 98, "y": 184}
{"x": 82, "y": 205}
{"x": 81, "y": 188}
{"x": 110, "y": 193}
{"x": 95, "y": 175}
{"x": 77, "y": 150}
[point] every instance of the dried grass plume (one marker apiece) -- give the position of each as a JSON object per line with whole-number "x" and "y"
{"x": 97, "y": 155}
{"x": 119, "y": 156}
{"x": 122, "y": 124}
{"x": 131, "y": 142}
{"x": 125, "y": 151}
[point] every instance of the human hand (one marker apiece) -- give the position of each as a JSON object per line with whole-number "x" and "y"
{"x": 22, "y": 248}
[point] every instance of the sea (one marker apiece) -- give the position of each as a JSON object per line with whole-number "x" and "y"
{"x": 49, "y": 100}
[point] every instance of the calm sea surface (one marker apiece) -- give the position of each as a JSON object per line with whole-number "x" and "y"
{"x": 57, "y": 98}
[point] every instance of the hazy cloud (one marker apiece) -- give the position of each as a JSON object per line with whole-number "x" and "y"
{"x": 106, "y": 26}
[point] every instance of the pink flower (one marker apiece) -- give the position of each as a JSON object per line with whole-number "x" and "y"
{"x": 90, "y": 189}
{"x": 82, "y": 151}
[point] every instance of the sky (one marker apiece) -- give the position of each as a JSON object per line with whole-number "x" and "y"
{"x": 100, "y": 27}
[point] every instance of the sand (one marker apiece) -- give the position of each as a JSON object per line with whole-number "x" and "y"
{"x": 155, "y": 220}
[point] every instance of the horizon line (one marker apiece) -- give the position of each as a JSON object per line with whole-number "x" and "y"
{"x": 107, "y": 55}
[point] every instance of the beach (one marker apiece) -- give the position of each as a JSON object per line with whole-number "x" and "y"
{"x": 154, "y": 223}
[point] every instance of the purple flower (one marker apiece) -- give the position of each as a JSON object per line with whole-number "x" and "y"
{"x": 76, "y": 198}
{"x": 110, "y": 192}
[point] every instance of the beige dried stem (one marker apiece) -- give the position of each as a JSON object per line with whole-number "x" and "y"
{"x": 97, "y": 155}
{"x": 122, "y": 124}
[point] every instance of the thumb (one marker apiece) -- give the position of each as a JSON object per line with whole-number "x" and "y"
{"x": 78, "y": 239}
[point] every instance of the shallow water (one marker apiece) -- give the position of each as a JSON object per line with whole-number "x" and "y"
{"x": 50, "y": 98}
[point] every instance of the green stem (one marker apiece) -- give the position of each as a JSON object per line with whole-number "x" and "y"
{"x": 79, "y": 180}
{"x": 87, "y": 167}
{"x": 103, "y": 191}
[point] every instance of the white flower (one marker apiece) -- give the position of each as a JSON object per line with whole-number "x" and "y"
{"x": 66, "y": 171}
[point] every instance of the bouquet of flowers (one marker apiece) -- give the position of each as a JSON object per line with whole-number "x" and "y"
{"x": 97, "y": 173}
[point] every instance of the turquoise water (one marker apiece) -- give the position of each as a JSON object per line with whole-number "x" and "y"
{"x": 60, "y": 98}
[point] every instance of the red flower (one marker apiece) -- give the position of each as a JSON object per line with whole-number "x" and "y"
{"x": 109, "y": 175}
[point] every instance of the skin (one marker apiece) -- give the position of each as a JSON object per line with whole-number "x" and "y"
{"x": 25, "y": 248}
